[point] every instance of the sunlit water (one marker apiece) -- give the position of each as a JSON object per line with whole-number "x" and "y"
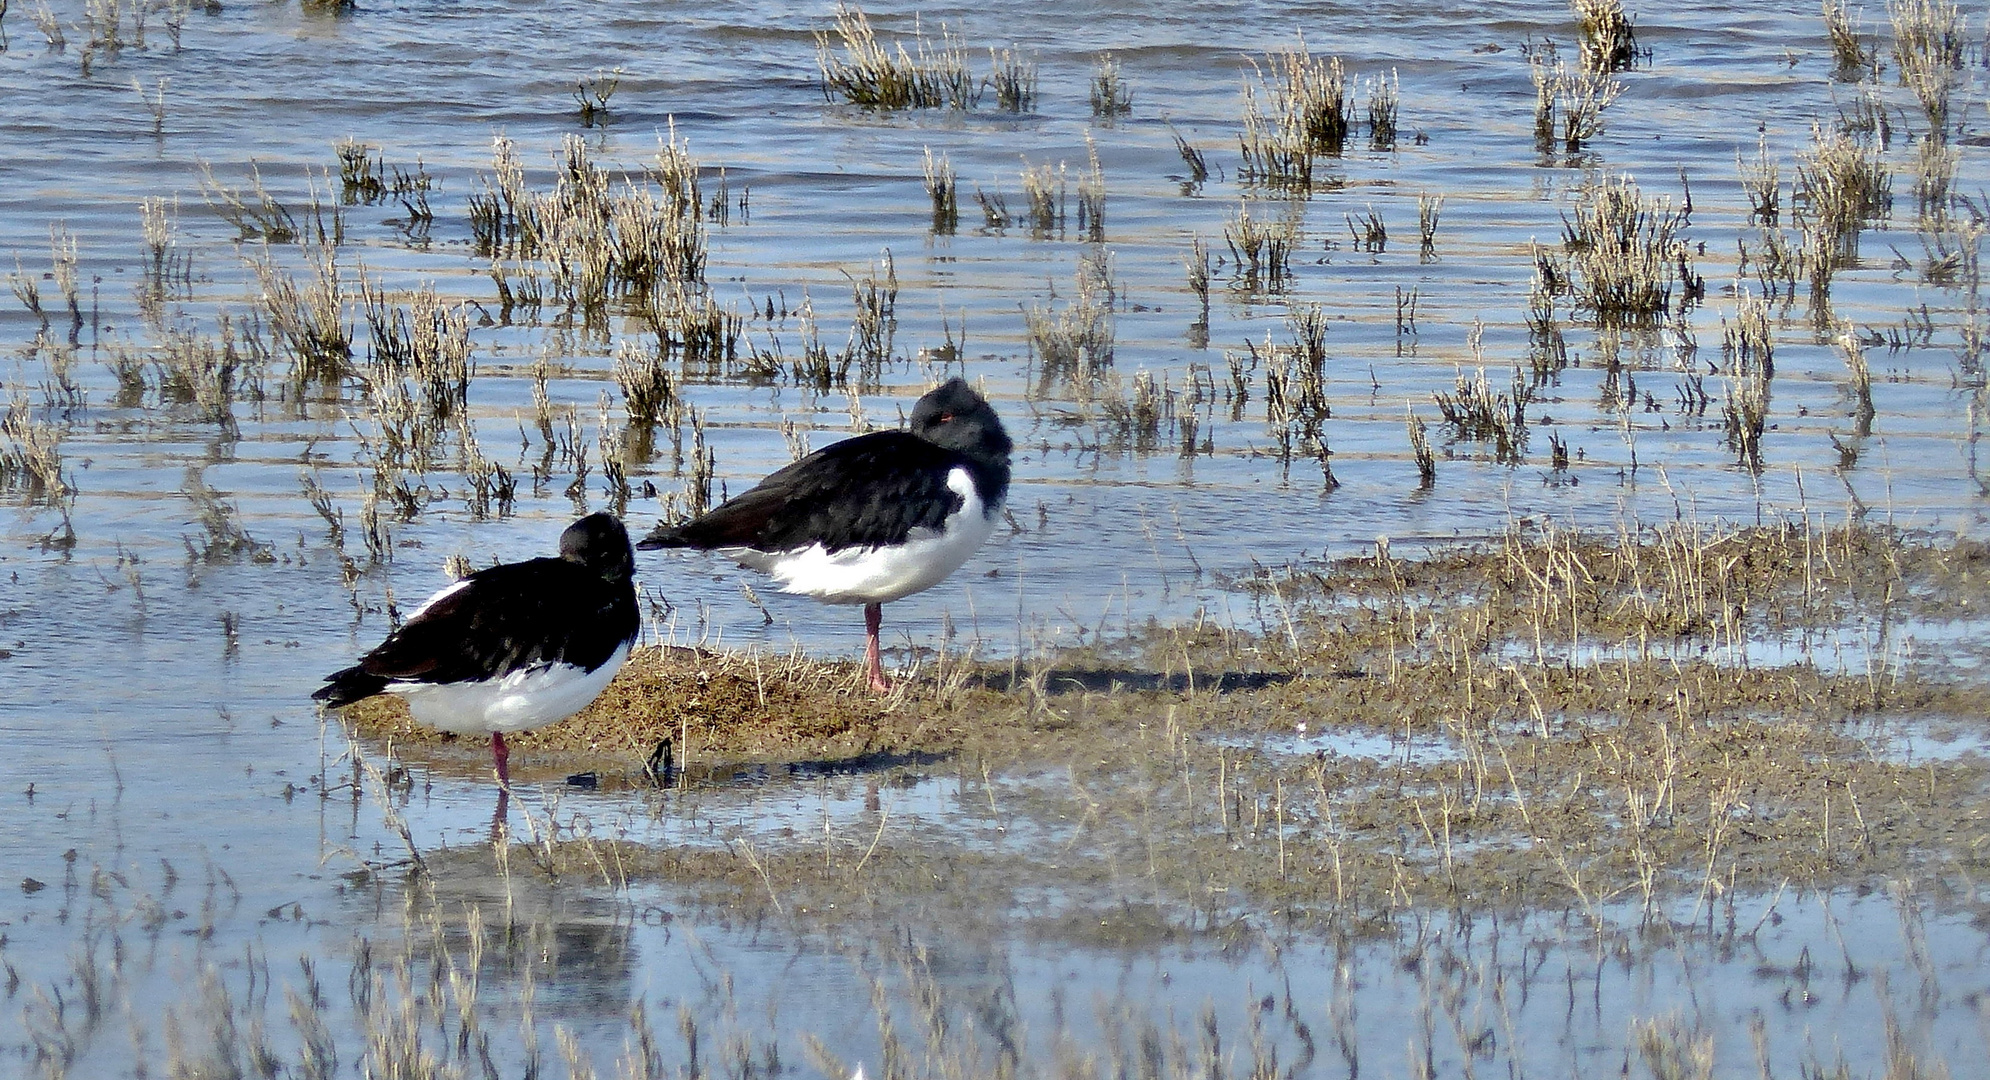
{"x": 140, "y": 733}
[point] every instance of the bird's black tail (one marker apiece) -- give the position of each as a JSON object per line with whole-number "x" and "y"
{"x": 345, "y": 687}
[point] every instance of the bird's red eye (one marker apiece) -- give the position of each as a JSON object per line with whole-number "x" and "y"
{"x": 946, "y": 418}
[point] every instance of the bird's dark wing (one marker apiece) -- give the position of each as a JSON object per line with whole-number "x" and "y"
{"x": 862, "y": 492}
{"x": 500, "y": 620}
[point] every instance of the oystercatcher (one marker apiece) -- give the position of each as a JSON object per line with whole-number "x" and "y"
{"x": 870, "y": 519}
{"x": 511, "y": 648}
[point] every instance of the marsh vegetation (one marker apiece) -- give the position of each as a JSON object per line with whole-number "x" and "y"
{"x": 1415, "y": 637}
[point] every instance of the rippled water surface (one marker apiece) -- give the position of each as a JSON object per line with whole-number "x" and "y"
{"x": 160, "y": 630}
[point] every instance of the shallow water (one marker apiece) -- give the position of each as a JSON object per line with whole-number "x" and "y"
{"x": 149, "y": 734}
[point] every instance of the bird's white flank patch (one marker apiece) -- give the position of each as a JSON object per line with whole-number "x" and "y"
{"x": 878, "y": 575}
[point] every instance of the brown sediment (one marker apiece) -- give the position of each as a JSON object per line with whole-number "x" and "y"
{"x": 1587, "y": 739}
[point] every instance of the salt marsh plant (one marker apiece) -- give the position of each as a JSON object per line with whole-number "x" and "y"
{"x": 876, "y": 298}
{"x": 1261, "y": 251}
{"x": 1309, "y": 114}
{"x": 50, "y": 26}
{"x": 1547, "y": 347}
{"x": 1295, "y": 390}
{"x": 593, "y": 93}
{"x": 26, "y": 285}
{"x": 641, "y": 244}
{"x": 1775, "y": 261}
{"x": 1013, "y": 77}
{"x": 1197, "y": 264}
{"x": 1076, "y": 344}
{"x": 1841, "y": 184}
{"x": 1428, "y": 208}
{"x": 994, "y": 209}
{"x": 705, "y": 333}
{"x": 362, "y": 172}
{"x": 256, "y": 215}
{"x": 1312, "y": 94}
{"x": 1609, "y": 41}
{"x": 155, "y": 103}
{"x": 816, "y": 366}
{"x": 1935, "y": 164}
{"x": 1746, "y": 345}
{"x": 501, "y": 216}
{"x": 426, "y": 343}
{"x": 868, "y": 74}
{"x": 27, "y": 289}
{"x": 677, "y": 173}
{"x": 1930, "y": 38}
{"x": 1198, "y": 166}
{"x": 1952, "y": 249}
{"x": 1045, "y": 188}
{"x": 943, "y": 189}
{"x": 1568, "y": 106}
{"x": 1110, "y": 96}
{"x": 1860, "y": 381}
{"x": 1476, "y": 411}
{"x": 308, "y": 321}
{"x": 1762, "y": 182}
{"x": 31, "y": 456}
{"x": 1385, "y": 99}
{"x": 1420, "y": 449}
{"x": 1626, "y": 252}
{"x": 1092, "y": 196}
{"x": 1743, "y": 418}
{"x": 1369, "y": 231}
{"x": 411, "y": 189}
{"x": 1854, "y": 54}
{"x": 196, "y": 370}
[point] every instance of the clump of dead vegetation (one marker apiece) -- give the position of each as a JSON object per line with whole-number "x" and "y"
{"x": 930, "y": 76}
{"x": 1261, "y": 248}
{"x": 1627, "y": 252}
{"x": 1301, "y": 108}
{"x": 1609, "y": 39}
{"x": 1930, "y": 40}
{"x": 1075, "y": 345}
{"x": 1568, "y": 105}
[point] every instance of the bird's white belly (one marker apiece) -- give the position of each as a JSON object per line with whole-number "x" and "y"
{"x": 525, "y": 699}
{"x": 878, "y": 575}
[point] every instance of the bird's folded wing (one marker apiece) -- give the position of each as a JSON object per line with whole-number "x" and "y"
{"x": 502, "y": 619}
{"x": 863, "y": 492}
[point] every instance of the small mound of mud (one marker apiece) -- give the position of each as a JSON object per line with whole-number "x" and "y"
{"x": 714, "y": 708}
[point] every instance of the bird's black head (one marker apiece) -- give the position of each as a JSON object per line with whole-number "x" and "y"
{"x": 956, "y": 417}
{"x": 600, "y": 543}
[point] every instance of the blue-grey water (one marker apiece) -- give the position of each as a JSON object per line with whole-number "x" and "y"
{"x": 154, "y": 721}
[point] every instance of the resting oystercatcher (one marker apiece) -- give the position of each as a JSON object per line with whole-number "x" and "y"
{"x": 511, "y": 648}
{"x": 870, "y": 519}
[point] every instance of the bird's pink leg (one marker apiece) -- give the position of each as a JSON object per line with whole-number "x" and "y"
{"x": 501, "y": 756}
{"x": 874, "y": 618}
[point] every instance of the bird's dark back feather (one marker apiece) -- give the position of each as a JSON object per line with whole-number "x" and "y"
{"x": 498, "y": 621}
{"x": 863, "y": 492}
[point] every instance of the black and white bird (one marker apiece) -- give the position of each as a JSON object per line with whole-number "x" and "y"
{"x": 870, "y": 519}
{"x": 511, "y": 648}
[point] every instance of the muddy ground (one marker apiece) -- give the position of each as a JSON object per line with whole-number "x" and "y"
{"x": 1668, "y": 718}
